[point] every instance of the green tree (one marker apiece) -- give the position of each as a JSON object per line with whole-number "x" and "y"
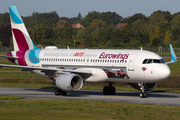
{"x": 37, "y": 33}
{"x": 97, "y": 23}
{"x": 61, "y": 22}
{"x": 5, "y": 18}
{"x": 156, "y": 33}
{"x": 86, "y": 21}
{"x": 1, "y": 23}
{"x": 156, "y": 18}
{"x": 49, "y": 33}
{"x": 57, "y": 31}
{"x": 111, "y": 18}
{"x": 163, "y": 27}
{"x": 151, "y": 37}
{"x": 156, "y": 41}
{"x": 79, "y": 16}
{"x": 67, "y": 31}
{"x": 135, "y": 17}
{"x": 167, "y": 39}
{"x": 5, "y": 35}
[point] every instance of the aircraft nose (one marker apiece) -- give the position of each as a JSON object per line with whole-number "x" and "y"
{"x": 164, "y": 72}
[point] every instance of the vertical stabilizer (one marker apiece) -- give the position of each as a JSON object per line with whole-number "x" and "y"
{"x": 21, "y": 38}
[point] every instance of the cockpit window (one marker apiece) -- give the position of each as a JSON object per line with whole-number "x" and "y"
{"x": 144, "y": 62}
{"x": 156, "y": 61}
{"x": 162, "y": 61}
{"x": 149, "y": 61}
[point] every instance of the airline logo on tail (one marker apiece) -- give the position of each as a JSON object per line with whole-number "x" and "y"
{"x": 21, "y": 39}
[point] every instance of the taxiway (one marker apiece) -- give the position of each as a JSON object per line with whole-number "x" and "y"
{"x": 120, "y": 96}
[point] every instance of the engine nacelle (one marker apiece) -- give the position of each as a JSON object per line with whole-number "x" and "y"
{"x": 147, "y": 86}
{"x": 69, "y": 82}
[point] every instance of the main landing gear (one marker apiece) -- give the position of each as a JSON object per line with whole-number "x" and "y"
{"x": 109, "y": 90}
{"x": 142, "y": 94}
{"x": 58, "y": 91}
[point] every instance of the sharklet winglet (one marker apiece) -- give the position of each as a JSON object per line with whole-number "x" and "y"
{"x": 173, "y": 56}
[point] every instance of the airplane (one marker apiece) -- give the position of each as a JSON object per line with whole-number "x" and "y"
{"x": 70, "y": 68}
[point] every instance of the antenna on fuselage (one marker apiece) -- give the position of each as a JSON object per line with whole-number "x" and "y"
{"x": 67, "y": 47}
{"x": 141, "y": 49}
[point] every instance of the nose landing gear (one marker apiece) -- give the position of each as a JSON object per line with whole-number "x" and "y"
{"x": 143, "y": 94}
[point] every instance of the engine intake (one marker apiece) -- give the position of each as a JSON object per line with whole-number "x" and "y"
{"x": 69, "y": 82}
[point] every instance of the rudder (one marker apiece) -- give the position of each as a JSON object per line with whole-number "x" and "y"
{"x": 21, "y": 39}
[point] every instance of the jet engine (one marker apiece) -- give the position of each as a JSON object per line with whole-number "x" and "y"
{"x": 147, "y": 86}
{"x": 69, "y": 82}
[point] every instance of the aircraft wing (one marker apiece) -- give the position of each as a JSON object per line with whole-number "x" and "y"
{"x": 51, "y": 70}
{"x": 173, "y": 56}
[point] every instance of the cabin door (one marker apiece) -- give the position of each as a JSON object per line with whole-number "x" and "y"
{"x": 131, "y": 62}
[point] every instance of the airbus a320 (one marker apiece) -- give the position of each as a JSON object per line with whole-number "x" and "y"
{"x": 70, "y": 68}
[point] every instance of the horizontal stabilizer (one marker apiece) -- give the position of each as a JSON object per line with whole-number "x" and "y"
{"x": 10, "y": 57}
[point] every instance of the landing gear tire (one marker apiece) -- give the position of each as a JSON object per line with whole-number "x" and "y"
{"x": 106, "y": 90}
{"x": 109, "y": 90}
{"x": 112, "y": 90}
{"x": 143, "y": 95}
{"x": 57, "y": 91}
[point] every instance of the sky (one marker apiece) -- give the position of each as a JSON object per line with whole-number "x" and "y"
{"x": 71, "y": 8}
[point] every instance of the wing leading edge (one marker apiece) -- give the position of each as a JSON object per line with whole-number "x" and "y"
{"x": 30, "y": 68}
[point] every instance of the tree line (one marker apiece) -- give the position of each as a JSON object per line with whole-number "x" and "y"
{"x": 159, "y": 29}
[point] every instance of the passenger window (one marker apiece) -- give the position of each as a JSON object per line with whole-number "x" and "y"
{"x": 149, "y": 61}
{"x": 144, "y": 62}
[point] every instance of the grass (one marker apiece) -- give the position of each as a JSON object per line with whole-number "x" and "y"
{"x": 10, "y": 97}
{"x": 26, "y": 79}
{"x": 84, "y": 109}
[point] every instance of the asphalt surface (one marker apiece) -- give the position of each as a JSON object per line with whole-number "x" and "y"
{"x": 120, "y": 96}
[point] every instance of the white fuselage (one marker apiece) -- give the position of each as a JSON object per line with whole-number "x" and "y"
{"x": 130, "y": 61}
